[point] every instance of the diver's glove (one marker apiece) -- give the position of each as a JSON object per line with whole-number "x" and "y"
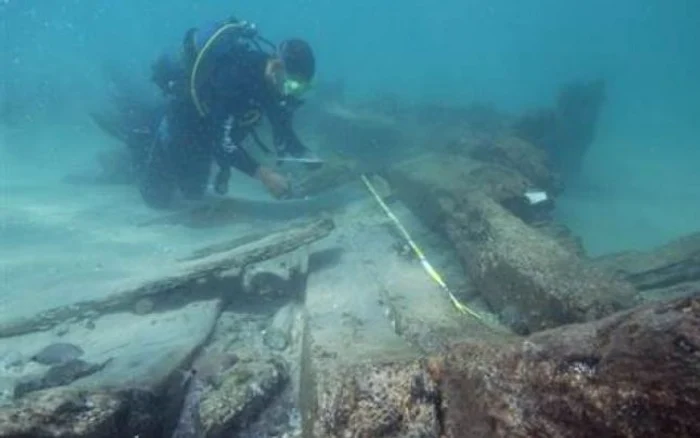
{"x": 275, "y": 183}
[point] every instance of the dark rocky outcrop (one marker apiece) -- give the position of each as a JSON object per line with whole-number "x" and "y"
{"x": 367, "y": 341}
{"x": 243, "y": 393}
{"x": 59, "y": 375}
{"x": 68, "y": 413}
{"x": 634, "y": 373}
{"x": 377, "y": 400}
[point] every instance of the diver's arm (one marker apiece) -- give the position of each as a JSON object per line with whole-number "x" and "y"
{"x": 289, "y": 141}
{"x": 228, "y": 151}
{"x": 285, "y": 138}
{"x": 241, "y": 160}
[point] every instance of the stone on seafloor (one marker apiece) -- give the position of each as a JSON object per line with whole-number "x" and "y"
{"x": 11, "y": 359}
{"x": 144, "y": 306}
{"x": 277, "y": 277}
{"x": 61, "y": 374}
{"x": 634, "y": 373}
{"x": 125, "y": 350}
{"x": 244, "y": 392}
{"x": 67, "y": 413}
{"x": 375, "y": 400}
{"x": 57, "y": 353}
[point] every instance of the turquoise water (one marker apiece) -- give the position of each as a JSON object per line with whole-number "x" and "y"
{"x": 62, "y": 244}
{"x": 511, "y": 54}
{"x": 639, "y": 183}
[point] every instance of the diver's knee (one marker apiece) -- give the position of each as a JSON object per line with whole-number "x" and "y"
{"x": 193, "y": 192}
{"x": 157, "y": 196}
{"x": 156, "y": 186}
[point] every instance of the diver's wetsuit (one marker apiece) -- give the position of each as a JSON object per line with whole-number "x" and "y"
{"x": 237, "y": 94}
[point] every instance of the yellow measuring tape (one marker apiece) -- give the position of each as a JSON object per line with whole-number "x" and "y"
{"x": 423, "y": 260}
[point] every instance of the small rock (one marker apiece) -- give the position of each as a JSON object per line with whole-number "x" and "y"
{"x": 144, "y": 306}
{"x": 280, "y": 419}
{"x": 62, "y": 329}
{"x": 245, "y": 390}
{"x": 58, "y": 353}
{"x": 278, "y": 334}
{"x": 6, "y": 391}
{"x": 62, "y": 374}
{"x": 90, "y": 324}
{"x": 66, "y": 413}
{"x": 92, "y": 314}
{"x": 275, "y": 339}
{"x": 10, "y": 360}
{"x": 211, "y": 366}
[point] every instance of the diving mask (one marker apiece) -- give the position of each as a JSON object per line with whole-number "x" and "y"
{"x": 293, "y": 87}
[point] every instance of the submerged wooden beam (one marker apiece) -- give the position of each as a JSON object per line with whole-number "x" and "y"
{"x": 669, "y": 271}
{"x": 528, "y": 277}
{"x": 179, "y": 282}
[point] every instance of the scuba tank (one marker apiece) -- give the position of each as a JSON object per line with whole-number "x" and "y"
{"x": 183, "y": 75}
{"x": 204, "y": 47}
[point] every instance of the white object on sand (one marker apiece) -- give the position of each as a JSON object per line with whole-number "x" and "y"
{"x": 301, "y": 160}
{"x": 536, "y": 197}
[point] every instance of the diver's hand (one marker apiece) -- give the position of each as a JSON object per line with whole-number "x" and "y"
{"x": 276, "y": 184}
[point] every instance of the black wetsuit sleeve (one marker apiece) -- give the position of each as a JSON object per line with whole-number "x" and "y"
{"x": 228, "y": 151}
{"x": 285, "y": 138}
{"x": 231, "y": 77}
{"x": 238, "y": 158}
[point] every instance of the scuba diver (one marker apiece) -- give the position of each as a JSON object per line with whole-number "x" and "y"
{"x": 218, "y": 90}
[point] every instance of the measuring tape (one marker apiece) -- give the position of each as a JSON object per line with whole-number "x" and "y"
{"x": 419, "y": 253}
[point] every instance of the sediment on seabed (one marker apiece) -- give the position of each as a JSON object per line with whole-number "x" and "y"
{"x": 329, "y": 325}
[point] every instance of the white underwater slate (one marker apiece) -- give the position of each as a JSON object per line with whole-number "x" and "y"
{"x": 536, "y": 197}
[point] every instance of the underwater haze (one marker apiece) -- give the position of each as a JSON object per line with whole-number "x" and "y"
{"x": 396, "y": 82}
{"x": 639, "y": 183}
